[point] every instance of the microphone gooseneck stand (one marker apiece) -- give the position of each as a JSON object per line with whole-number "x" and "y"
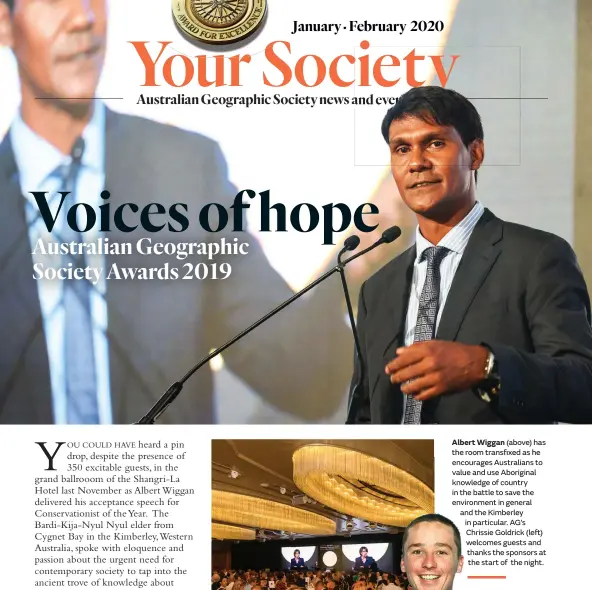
{"x": 351, "y": 243}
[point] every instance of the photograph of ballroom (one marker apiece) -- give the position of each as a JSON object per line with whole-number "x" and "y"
{"x": 316, "y": 513}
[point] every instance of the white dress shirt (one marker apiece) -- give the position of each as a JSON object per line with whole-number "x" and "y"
{"x": 37, "y": 161}
{"x": 456, "y": 241}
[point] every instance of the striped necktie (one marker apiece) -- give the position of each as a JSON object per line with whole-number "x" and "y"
{"x": 79, "y": 358}
{"x": 427, "y": 313}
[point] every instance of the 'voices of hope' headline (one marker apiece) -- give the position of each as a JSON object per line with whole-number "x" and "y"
{"x": 213, "y": 217}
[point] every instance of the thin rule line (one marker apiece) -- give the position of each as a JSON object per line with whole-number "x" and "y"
{"x": 79, "y": 98}
{"x": 519, "y": 105}
{"x": 486, "y": 577}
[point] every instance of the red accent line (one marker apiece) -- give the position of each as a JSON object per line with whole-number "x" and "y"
{"x": 486, "y": 577}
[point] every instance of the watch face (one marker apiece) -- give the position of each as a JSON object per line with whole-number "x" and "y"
{"x": 484, "y": 396}
{"x": 489, "y": 365}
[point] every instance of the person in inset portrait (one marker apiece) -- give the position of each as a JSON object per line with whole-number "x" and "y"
{"x": 365, "y": 561}
{"x": 432, "y": 553}
{"x": 297, "y": 562}
{"x": 482, "y": 321}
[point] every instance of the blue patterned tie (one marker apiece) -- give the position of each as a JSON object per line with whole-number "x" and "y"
{"x": 81, "y": 390}
{"x": 427, "y": 313}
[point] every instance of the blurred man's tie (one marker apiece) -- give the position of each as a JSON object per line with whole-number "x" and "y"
{"x": 79, "y": 358}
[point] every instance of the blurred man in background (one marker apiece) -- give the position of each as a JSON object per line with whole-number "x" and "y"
{"x": 102, "y": 353}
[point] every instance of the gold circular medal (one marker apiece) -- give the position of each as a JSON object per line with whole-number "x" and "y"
{"x": 219, "y": 14}
{"x": 219, "y": 21}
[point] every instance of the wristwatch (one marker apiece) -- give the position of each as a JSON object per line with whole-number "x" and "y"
{"x": 491, "y": 384}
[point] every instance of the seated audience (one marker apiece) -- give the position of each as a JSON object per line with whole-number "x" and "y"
{"x": 306, "y": 580}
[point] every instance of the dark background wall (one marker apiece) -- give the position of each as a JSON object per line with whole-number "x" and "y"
{"x": 256, "y": 555}
{"x": 221, "y": 555}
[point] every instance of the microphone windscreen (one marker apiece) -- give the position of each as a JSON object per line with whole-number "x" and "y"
{"x": 351, "y": 243}
{"x": 78, "y": 149}
{"x": 391, "y": 234}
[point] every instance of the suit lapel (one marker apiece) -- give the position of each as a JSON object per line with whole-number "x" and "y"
{"x": 481, "y": 253}
{"x": 12, "y": 220}
{"x": 118, "y": 183}
{"x": 134, "y": 373}
{"x": 388, "y": 398}
{"x": 25, "y": 366}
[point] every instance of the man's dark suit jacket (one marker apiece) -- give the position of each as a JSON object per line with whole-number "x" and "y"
{"x": 370, "y": 564}
{"x": 518, "y": 290}
{"x": 297, "y": 564}
{"x": 159, "y": 329}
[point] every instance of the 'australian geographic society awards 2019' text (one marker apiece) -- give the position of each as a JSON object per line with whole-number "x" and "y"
{"x": 144, "y": 246}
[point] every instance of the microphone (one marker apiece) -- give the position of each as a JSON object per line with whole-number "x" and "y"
{"x": 69, "y": 179}
{"x": 389, "y": 235}
{"x": 77, "y": 150}
{"x": 350, "y": 244}
{"x": 169, "y": 396}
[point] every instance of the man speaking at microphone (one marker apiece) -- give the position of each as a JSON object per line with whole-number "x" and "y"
{"x": 78, "y": 353}
{"x": 481, "y": 321}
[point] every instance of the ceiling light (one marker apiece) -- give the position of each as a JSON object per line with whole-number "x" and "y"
{"x": 224, "y": 531}
{"x": 232, "y": 508}
{"x": 373, "y": 490}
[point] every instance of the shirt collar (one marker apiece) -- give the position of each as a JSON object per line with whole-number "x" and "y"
{"x": 457, "y": 238}
{"x": 35, "y": 171}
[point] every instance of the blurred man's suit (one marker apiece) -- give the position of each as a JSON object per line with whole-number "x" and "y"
{"x": 519, "y": 291}
{"x": 158, "y": 329}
